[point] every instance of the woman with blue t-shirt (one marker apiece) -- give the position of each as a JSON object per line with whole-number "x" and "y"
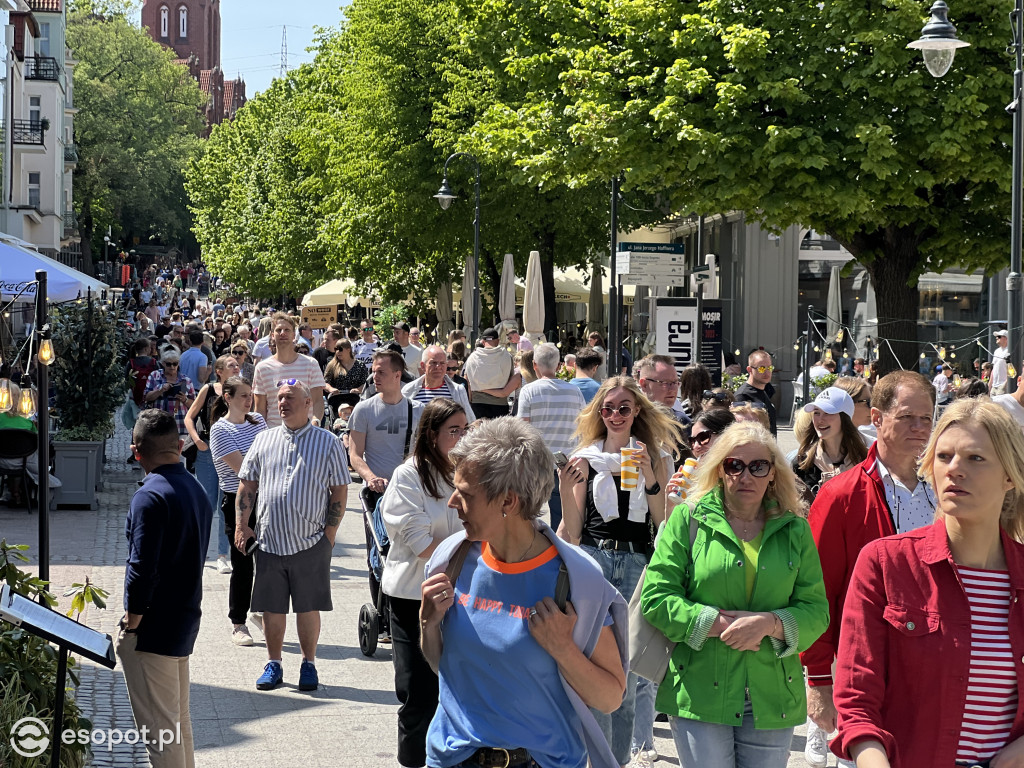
{"x": 232, "y": 433}
{"x": 517, "y": 675}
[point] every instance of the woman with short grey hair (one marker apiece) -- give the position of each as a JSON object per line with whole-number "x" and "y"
{"x": 517, "y": 673}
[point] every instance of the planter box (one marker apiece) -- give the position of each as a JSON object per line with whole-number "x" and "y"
{"x": 78, "y": 465}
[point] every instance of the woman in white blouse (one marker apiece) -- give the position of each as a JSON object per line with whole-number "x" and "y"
{"x": 418, "y": 518}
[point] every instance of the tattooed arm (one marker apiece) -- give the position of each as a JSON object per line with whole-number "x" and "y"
{"x": 335, "y": 511}
{"x": 245, "y": 502}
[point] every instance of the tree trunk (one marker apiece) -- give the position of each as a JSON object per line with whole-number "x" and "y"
{"x": 85, "y": 230}
{"x": 547, "y": 270}
{"x": 890, "y": 257}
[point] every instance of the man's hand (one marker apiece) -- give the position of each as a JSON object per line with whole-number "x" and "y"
{"x": 820, "y": 707}
{"x": 377, "y": 484}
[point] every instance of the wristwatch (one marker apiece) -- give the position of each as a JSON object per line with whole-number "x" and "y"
{"x": 654, "y": 490}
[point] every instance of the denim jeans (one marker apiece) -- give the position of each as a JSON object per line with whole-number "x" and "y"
{"x": 643, "y": 719}
{"x": 207, "y": 477}
{"x": 700, "y": 744}
{"x": 622, "y": 570}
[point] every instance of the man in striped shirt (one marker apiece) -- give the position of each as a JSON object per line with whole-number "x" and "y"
{"x": 296, "y": 476}
{"x": 552, "y": 406}
{"x": 436, "y": 383}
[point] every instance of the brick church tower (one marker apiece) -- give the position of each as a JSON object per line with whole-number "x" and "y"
{"x": 192, "y": 29}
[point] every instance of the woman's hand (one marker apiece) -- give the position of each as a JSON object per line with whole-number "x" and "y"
{"x": 571, "y": 474}
{"x": 746, "y": 630}
{"x": 438, "y": 596}
{"x": 1010, "y": 756}
{"x": 202, "y": 446}
{"x": 551, "y": 628}
{"x": 643, "y": 460}
{"x": 721, "y": 624}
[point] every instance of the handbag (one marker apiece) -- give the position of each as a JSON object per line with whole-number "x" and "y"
{"x": 649, "y": 649}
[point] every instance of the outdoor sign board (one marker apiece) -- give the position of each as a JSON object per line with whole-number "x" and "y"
{"x": 319, "y": 317}
{"x": 690, "y": 332}
{"x": 677, "y": 248}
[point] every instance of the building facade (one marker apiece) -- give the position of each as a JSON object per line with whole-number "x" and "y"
{"x": 191, "y": 28}
{"x": 39, "y": 147}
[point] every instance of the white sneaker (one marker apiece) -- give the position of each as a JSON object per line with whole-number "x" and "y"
{"x": 223, "y": 565}
{"x": 257, "y": 620}
{"x": 816, "y": 752}
{"x": 241, "y": 636}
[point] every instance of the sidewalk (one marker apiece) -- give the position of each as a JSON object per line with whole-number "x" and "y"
{"x": 350, "y": 722}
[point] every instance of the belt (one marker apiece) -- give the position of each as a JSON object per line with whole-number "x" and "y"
{"x": 498, "y": 757}
{"x": 615, "y": 545}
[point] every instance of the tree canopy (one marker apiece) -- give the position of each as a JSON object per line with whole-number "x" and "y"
{"x": 138, "y": 124}
{"x": 793, "y": 111}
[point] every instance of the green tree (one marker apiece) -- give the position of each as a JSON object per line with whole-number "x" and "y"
{"x": 137, "y": 126}
{"x": 793, "y": 111}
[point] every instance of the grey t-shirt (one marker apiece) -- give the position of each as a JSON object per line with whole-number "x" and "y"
{"x": 385, "y": 427}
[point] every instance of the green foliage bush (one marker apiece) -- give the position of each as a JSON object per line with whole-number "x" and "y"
{"x": 28, "y": 671}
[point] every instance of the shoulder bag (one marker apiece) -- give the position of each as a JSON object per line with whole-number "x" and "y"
{"x": 649, "y": 649}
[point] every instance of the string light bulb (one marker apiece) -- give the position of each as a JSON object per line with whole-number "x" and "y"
{"x": 922, "y": 355}
{"x": 46, "y": 355}
{"x": 797, "y": 346}
{"x": 942, "y": 353}
{"x": 27, "y": 401}
{"x": 6, "y": 398}
{"x": 839, "y": 336}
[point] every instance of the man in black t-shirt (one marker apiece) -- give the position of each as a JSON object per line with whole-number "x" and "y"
{"x": 758, "y": 388}
{"x": 324, "y": 354}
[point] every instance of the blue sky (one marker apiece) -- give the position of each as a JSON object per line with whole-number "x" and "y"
{"x": 251, "y": 36}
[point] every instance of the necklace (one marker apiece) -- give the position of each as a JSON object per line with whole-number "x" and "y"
{"x": 747, "y": 525}
{"x": 528, "y": 548}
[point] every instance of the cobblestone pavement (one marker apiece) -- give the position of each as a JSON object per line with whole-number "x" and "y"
{"x": 350, "y": 722}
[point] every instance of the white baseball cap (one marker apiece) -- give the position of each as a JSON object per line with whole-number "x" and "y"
{"x": 832, "y": 400}
{"x": 1000, "y": 333}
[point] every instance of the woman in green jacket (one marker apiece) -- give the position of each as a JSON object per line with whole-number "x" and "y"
{"x": 741, "y": 606}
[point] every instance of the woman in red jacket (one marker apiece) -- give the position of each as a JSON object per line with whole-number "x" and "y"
{"x": 931, "y": 650}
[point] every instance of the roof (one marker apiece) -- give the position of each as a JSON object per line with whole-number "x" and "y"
{"x": 206, "y": 79}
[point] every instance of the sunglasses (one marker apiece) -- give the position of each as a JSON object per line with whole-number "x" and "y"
{"x": 758, "y": 467}
{"x": 287, "y": 383}
{"x": 752, "y": 403}
{"x": 700, "y": 438}
{"x": 170, "y": 365}
{"x": 453, "y": 368}
{"x": 721, "y": 397}
{"x": 622, "y": 410}
{"x": 763, "y": 368}
{"x": 660, "y": 383}
{"x": 238, "y": 353}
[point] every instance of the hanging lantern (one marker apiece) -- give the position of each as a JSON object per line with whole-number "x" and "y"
{"x": 6, "y": 398}
{"x": 27, "y": 401}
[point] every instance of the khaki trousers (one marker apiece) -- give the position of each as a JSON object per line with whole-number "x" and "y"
{"x": 158, "y": 692}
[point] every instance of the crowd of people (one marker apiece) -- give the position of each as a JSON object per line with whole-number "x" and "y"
{"x": 867, "y": 582}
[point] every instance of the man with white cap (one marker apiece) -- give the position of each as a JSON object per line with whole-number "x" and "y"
{"x": 997, "y": 384}
{"x": 881, "y": 496}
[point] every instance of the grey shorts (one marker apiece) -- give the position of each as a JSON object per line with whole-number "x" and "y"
{"x": 305, "y": 577}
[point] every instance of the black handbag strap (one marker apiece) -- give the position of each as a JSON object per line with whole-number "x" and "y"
{"x": 408, "y": 440}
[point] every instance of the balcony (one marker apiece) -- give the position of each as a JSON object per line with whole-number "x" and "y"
{"x": 70, "y": 224}
{"x": 42, "y": 68}
{"x": 70, "y": 154}
{"x": 29, "y": 132}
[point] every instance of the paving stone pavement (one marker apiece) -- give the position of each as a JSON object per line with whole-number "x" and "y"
{"x": 350, "y": 722}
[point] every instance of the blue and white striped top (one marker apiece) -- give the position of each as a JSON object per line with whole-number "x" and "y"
{"x": 296, "y": 470}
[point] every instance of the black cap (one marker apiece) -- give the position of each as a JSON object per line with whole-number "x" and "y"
{"x": 489, "y": 334}
{"x": 401, "y": 327}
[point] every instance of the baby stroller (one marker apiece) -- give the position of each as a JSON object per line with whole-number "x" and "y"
{"x": 374, "y": 622}
{"x": 334, "y": 404}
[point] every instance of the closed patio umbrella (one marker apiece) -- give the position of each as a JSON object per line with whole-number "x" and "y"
{"x": 444, "y": 311}
{"x": 834, "y": 305}
{"x": 469, "y": 312}
{"x": 533, "y": 302}
{"x": 507, "y": 294}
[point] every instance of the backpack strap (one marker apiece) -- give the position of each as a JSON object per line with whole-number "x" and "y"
{"x": 457, "y": 559}
{"x": 562, "y": 587}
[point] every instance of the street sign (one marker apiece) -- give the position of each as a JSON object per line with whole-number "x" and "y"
{"x": 320, "y": 317}
{"x": 644, "y": 278}
{"x": 650, "y": 263}
{"x": 678, "y": 248}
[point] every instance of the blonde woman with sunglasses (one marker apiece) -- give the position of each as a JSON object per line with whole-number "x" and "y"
{"x": 611, "y": 524}
{"x": 741, "y": 601}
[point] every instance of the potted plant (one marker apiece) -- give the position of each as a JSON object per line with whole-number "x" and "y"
{"x": 90, "y": 342}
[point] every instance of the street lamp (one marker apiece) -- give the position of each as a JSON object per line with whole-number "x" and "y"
{"x": 938, "y": 43}
{"x": 444, "y": 197}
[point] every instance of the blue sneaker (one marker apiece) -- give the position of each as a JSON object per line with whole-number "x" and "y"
{"x": 271, "y": 677}
{"x": 308, "y": 680}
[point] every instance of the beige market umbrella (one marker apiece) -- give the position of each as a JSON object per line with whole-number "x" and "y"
{"x": 507, "y": 292}
{"x": 595, "y": 303}
{"x": 443, "y": 306}
{"x": 834, "y": 305}
{"x": 533, "y": 301}
{"x": 468, "y": 310}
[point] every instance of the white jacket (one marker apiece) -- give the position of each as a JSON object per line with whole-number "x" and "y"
{"x": 458, "y": 394}
{"x": 413, "y": 519}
